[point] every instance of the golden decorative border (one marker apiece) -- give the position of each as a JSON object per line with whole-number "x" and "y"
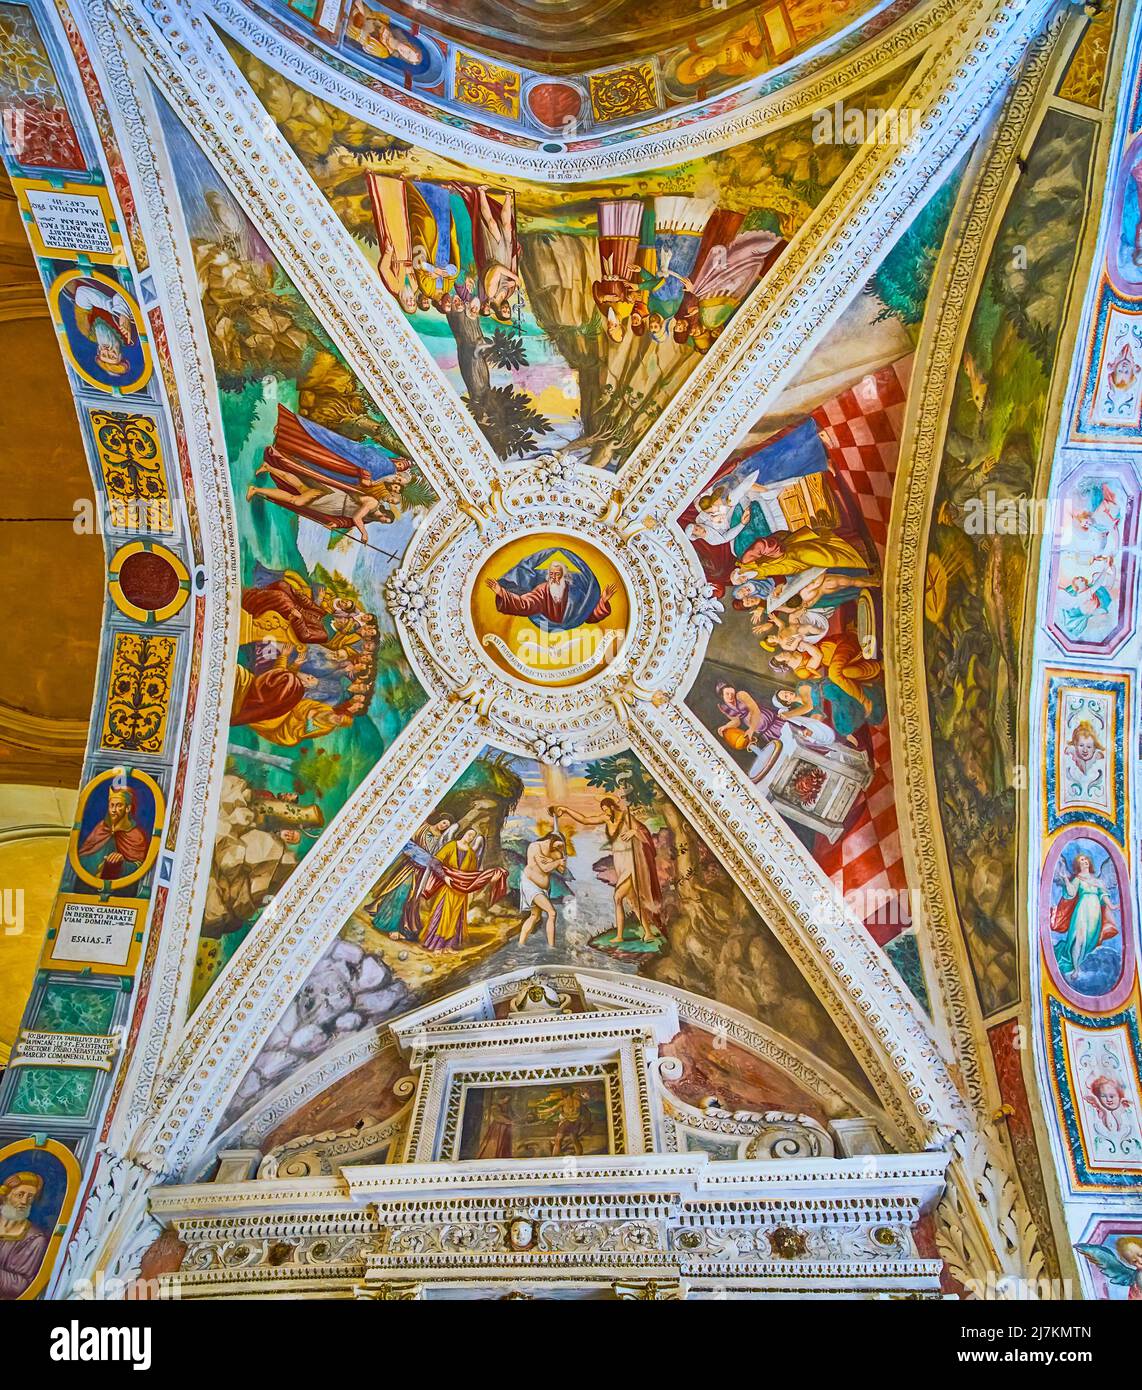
{"x": 117, "y": 256}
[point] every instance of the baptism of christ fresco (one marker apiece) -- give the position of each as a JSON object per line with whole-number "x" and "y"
{"x": 520, "y": 864}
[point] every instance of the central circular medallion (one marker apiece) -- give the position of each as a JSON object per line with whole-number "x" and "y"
{"x": 550, "y": 610}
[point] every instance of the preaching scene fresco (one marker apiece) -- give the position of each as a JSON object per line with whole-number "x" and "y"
{"x": 326, "y": 499}
{"x": 565, "y": 315}
{"x": 791, "y": 533}
{"x": 525, "y": 864}
{"x": 977, "y": 574}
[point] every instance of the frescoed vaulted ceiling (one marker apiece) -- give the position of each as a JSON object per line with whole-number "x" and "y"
{"x": 592, "y": 496}
{"x": 571, "y": 37}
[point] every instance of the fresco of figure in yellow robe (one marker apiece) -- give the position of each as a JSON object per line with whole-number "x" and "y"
{"x": 444, "y": 905}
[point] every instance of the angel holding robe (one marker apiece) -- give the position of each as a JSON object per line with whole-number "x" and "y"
{"x": 454, "y": 875}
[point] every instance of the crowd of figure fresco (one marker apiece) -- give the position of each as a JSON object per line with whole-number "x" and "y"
{"x": 793, "y": 676}
{"x": 668, "y": 266}
{"x": 639, "y": 289}
{"x": 791, "y": 540}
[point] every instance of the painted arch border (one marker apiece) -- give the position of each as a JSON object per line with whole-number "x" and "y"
{"x": 1082, "y": 446}
{"x": 669, "y": 135}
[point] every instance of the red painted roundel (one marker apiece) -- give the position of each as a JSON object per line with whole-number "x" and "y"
{"x": 148, "y": 581}
{"x": 552, "y": 103}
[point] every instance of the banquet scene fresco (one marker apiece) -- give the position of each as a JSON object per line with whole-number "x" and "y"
{"x": 601, "y": 761}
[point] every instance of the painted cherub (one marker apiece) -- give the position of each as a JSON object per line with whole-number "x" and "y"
{"x": 1122, "y": 1265}
{"x": 1110, "y": 1107}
